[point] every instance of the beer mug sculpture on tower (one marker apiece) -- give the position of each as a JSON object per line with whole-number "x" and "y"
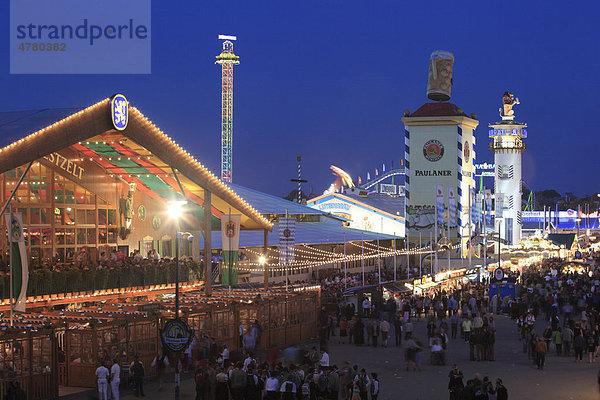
{"x": 439, "y": 81}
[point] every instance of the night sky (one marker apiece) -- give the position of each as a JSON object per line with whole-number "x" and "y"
{"x": 331, "y": 80}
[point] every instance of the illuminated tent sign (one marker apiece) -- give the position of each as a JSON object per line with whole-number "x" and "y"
{"x": 176, "y": 335}
{"x": 119, "y": 112}
{"x": 517, "y": 131}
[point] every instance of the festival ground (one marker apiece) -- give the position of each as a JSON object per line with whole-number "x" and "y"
{"x": 561, "y": 379}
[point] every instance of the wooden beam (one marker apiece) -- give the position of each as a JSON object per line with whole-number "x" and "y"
{"x": 207, "y": 243}
{"x": 266, "y": 264}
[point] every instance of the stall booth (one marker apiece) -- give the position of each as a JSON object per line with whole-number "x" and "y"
{"x": 29, "y": 357}
{"x": 64, "y": 345}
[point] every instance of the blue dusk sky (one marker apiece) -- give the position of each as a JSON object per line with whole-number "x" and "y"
{"x": 330, "y": 80}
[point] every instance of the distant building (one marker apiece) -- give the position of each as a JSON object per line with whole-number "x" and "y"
{"x": 375, "y": 212}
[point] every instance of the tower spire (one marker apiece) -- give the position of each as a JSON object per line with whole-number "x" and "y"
{"x": 227, "y": 59}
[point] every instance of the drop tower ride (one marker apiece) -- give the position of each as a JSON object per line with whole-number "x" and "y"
{"x": 227, "y": 59}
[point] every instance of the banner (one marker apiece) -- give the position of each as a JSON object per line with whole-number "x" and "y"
{"x": 287, "y": 239}
{"x": 451, "y": 206}
{"x": 499, "y": 204}
{"x": 19, "y": 269}
{"x": 488, "y": 205}
{"x": 439, "y": 203}
{"x": 230, "y": 240}
{"x": 478, "y": 206}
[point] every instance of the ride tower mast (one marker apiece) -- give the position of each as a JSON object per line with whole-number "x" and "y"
{"x": 227, "y": 59}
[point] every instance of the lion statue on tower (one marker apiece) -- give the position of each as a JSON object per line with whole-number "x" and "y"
{"x": 508, "y": 100}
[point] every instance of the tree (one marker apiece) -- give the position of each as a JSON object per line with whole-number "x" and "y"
{"x": 547, "y": 198}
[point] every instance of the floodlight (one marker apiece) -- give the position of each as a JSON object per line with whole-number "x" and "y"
{"x": 175, "y": 208}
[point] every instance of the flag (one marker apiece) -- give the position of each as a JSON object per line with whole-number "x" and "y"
{"x": 478, "y": 205}
{"x": 383, "y": 167}
{"x": 368, "y": 176}
{"x": 19, "y": 269}
{"x": 230, "y": 241}
{"x": 488, "y": 205}
{"x": 475, "y": 207}
{"x": 451, "y": 206}
{"x": 287, "y": 239}
{"x": 439, "y": 202}
{"x": 499, "y": 204}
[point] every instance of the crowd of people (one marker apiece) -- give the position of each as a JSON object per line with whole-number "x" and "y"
{"x": 311, "y": 378}
{"x": 459, "y": 315}
{"x": 569, "y": 302}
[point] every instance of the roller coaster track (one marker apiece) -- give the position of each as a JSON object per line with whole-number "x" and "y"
{"x": 380, "y": 178}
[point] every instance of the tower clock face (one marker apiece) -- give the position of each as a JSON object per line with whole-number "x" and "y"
{"x": 433, "y": 150}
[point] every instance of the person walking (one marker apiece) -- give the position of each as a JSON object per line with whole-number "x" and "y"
{"x": 237, "y": 381}
{"x": 578, "y": 343}
{"x": 137, "y": 368}
{"x": 558, "y": 340}
{"x": 385, "y": 331}
{"x": 375, "y": 332}
{"x": 454, "y": 325}
{"x": 343, "y": 330}
{"x": 541, "y": 348}
{"x": 374, "y": 386}
{"x": 102, "y": 380}
{"x": 115, "y": 379}
{"x": 366, "y": 306}
{"x": 222, "y": 388}
{"x": 567, "y": 339}
{"x": 398, "y": 330}
{"x": 455, "y": 384}
{"x": 501, "y": 391}
{"x": 590, "y": 342}
{"x": 466, "y": 328}
{"x": 160, "y": 362}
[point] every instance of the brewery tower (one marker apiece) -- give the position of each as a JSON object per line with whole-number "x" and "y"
{"x": 508, "y": 145}
{"x": 439, "y": 150}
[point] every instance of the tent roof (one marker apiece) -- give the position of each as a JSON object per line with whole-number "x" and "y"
{"x": 269, "y": 204}
{"x": 141, "y": 154}
{"x": 306, "y": 233}
{"x": 566, "y": 239}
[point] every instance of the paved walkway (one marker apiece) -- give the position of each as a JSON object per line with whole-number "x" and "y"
{"x": 562, "y": 379}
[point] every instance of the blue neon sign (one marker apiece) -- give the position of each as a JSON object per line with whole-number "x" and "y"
{"x": 119, "y": 112}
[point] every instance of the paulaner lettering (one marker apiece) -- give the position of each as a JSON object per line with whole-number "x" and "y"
{"x": 419, "y": 172}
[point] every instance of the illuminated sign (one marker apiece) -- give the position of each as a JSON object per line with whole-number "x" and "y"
{"x": 484, "y": 166}
{"x": 519, "y": 131}
{"x": 385, "y": 188}
{"x": 433, "y": 150}
{"x": 334, "y": 206}
{"x": 119, "y": 112}
{"x": 65, "y": 164}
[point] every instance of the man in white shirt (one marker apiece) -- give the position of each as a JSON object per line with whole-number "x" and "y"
{"x": 225, "y": 356}
{"x": 115, "y": 379}
{"x": 102, "y": 379}
{"x": 247, "y": 362}
{"x": 324, "y": 359}
{"x": 366, "y": 307}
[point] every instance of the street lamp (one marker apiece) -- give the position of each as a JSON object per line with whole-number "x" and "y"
{"x": 262, "y": 260}
{"x": 175, "y": 210}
